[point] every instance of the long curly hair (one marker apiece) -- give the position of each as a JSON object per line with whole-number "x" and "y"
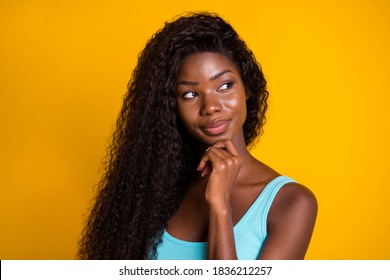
{"x": 151, "y": 156}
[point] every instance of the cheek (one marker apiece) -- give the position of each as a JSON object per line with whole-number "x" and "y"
{"x": 238, "y": 105}
{"x": 181, "y": 111}
{"x": 185, "y": 115}
{"x": 243, "y": 112}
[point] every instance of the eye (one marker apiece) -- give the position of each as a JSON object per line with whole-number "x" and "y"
{"x": 189, "y": 95}
{"x": 225, "y": 86}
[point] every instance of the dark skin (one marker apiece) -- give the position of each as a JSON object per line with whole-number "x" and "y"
{"x": 211, "y": 103}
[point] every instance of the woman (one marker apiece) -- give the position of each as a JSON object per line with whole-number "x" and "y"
{"x": 180, "y": 182}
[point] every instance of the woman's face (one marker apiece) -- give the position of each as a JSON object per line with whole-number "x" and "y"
{"x": 211, "y": 97}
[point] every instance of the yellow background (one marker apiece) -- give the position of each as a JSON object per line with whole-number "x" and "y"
{"x": 64, "y": 66}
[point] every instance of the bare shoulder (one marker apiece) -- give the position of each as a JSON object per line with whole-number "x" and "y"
{"x": 295, "y": 202}
{"x": 290, "y": 223}
{"x": 295, "y": 194}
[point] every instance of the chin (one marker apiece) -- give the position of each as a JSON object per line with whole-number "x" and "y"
{"x": 211, "y": 140}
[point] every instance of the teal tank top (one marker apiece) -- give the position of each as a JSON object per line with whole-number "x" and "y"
{"x": 249, "y": 233}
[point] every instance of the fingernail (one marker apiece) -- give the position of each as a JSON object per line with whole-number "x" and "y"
{"x": 208, "y": 149}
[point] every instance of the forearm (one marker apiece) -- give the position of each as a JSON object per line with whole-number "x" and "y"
{"x": 222, "y": 164}
{"x": 221, "y": 244}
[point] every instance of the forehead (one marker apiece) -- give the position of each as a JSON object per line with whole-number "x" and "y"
{"x": 205, "y": 64}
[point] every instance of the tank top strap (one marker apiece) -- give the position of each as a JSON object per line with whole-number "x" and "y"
{"x": 269, "y": 193}
{"x": 257, "y": 214}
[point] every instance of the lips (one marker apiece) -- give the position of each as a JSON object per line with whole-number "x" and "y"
{"x": 216, "y": 127}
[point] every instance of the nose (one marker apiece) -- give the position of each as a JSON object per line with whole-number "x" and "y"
{"x": 210, "y": 104}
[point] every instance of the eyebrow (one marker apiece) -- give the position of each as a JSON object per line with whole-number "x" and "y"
{"x": 216, "y": 76}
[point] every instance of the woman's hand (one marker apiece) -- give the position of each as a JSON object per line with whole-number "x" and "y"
{"x": 221, "y": 163}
